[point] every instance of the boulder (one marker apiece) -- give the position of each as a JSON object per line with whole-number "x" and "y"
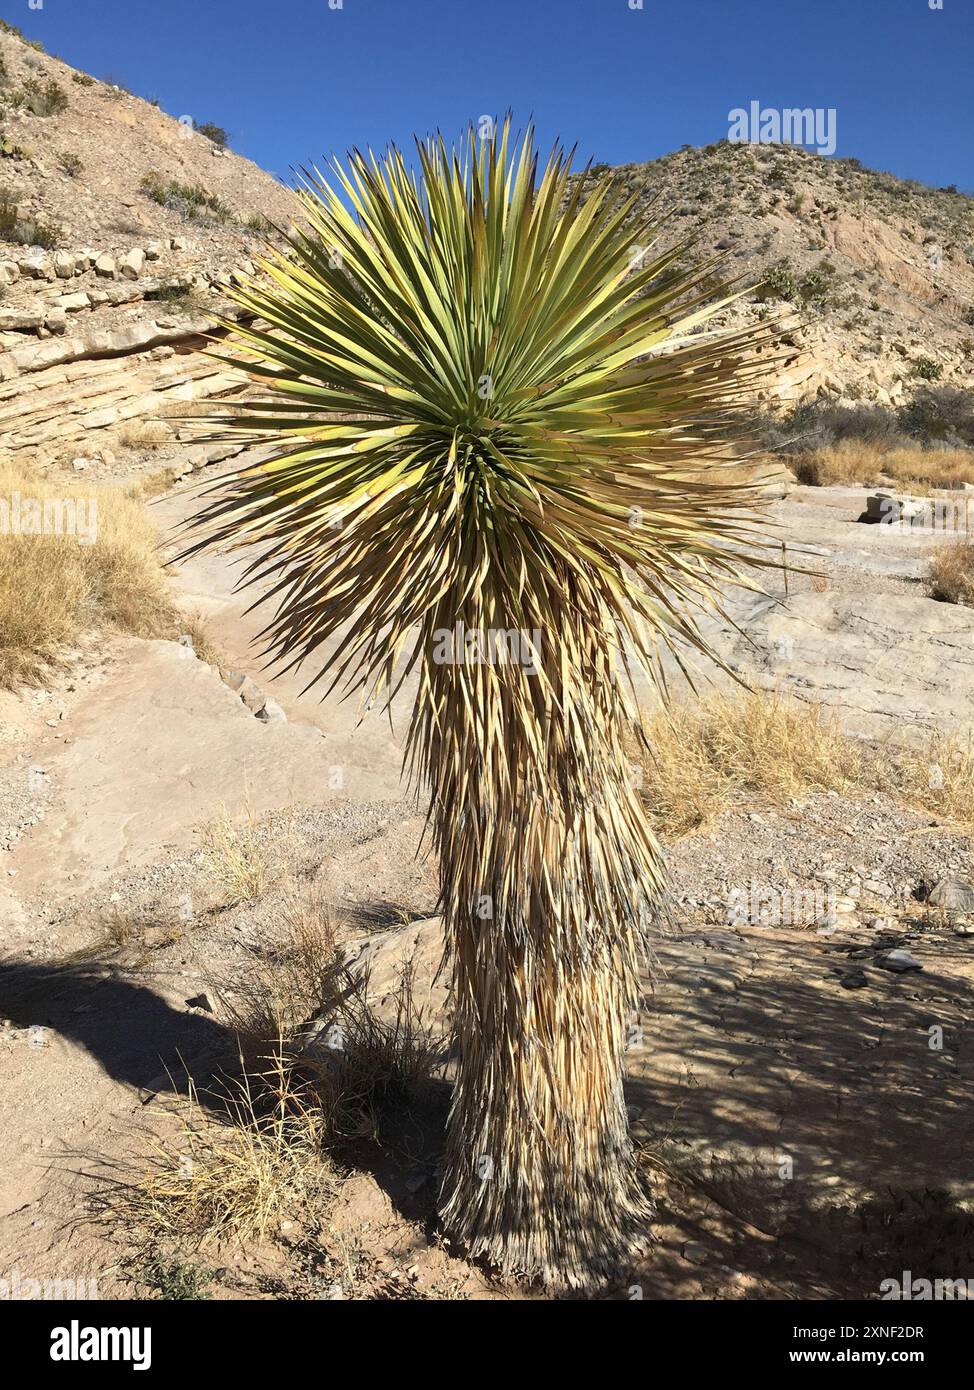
{"x": 105, "y": 265}
{"x": 954, "y": 894}
{"x": 64, "y": 265}
{"x": 132, "y": 265}
{"x": 899, "y": 962}
{"x": 9, "y": 272}
{"x": 889, "y": 509}
{"x": 71, "y": 303}
{"x": 36, "y": 264}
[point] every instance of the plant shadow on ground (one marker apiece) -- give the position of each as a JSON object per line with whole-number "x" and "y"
{"x": 877, "y": 1128}
{"x": 388, "y": 1120}
{"x": 806, "y": 1132}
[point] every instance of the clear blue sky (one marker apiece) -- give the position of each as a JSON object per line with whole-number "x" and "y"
{"x": 294, "y": 80}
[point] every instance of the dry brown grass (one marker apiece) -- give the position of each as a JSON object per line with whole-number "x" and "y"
{"x": 144, "y": 434}
{"x": 234, "y": 1176}
{"x": 301, "y": 997}
{"x": 707, "y": 755}
{"x": 299, "y": 975}
{"x": 245, "y": 859}
{"x": 745, "y": 749}
{"x": 854, "y": 461}
{"x": 53, "y": 589}
{"x": 939, "y": 777}
{"x": 952, "y": 573}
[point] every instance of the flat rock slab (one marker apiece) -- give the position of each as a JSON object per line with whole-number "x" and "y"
{"x": 153, "y": 752}
{"x": 897, "y": 665}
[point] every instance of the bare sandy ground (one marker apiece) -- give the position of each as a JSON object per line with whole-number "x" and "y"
{"x": 806, "y": 1134}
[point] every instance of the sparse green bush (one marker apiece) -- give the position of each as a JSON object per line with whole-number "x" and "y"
{"x": 25, "y": 231}
{"x": 173, "y": 293}
{"x": 260, "y": 224}
{"x": 83, "y": 79}
{"x": 927, "y": 369}
{"x": 968, "y": 315}
{"x": 10, "y": 150}
{"x": 71, "y": 164}
{"x": 44, "y": 98}
{"x": 815, "y": 287}
{"x": 216, "y": 133}
{"x": 191, "y": 200}
{"x": 8, "y": 218}
{"x": 944, "y": 414}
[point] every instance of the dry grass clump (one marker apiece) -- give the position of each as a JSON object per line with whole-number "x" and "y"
{"x": 952, "y": 573}
{"x": 386, "y": 1060}
{"x": 244, "y": 858}
{"x": 235, "y": 1177}
{"x": 318, "y": 1068}
{"x": 706, "y": 755}
{"x": 54, "y": 588}
{"x": 144, "y": 434}
{"x": 299, "y": 975}
{"x": 852, "y": 461}
{"x": 301, "y": 996}
{"x": 938, "y": 777}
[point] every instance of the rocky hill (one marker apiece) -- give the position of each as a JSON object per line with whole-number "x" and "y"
{"x": 121, "y": 226}
{"x": 879, "y": 271}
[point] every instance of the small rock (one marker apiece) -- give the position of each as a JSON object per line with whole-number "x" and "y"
{"x": 64, "y": 265}
{"x": 695, "y": 1254}
{"x": 248, "y": 690}
{"x": 36, "y": 264}
{"x": 899, "y": 961}
{"x": 884, "y": 508}
{"x": 105, "y": 265}
{"x": 878, "y": 887}
{"x": 200, "y": 1001}
{"x": 153, "y": 250}
{"x": 854, "y": 979}
{"x": 9, "y": 272}
{"x": 272, "y": 713}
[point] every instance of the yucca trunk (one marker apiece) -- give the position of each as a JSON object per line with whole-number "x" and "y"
{"x": 549, "y": 877}
{"x": 539, "y": 1170}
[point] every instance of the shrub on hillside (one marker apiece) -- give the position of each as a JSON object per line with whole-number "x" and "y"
{"x": 216, "y": 133}
{"x": 927, "y": 368}
{"x": 190, "y": 199}
{"x": 44, "y": 98}
{"x": 814, "y": 287}
{"x": 27, "y": 231}
{"x": 8, "y": 218}
{"x": 940, "y": 413}
{"x": 83, "y": 79}
{"x": 821, "y": 424}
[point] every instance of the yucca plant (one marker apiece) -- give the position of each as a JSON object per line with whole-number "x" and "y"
{"x": 499, "y": 462}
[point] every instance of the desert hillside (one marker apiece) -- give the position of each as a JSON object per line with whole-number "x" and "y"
{"x": 879, "y": 271}
{"x": 119, "y": 228}
{"x": 120, "y": 225}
